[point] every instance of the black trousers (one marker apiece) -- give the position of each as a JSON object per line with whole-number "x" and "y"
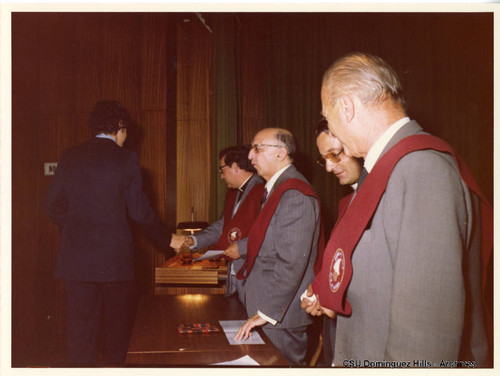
{"x": 95, "y": 306}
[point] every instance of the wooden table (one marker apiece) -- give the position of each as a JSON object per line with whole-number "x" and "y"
{"x": 205, "y": 277}
{"x": 155, "y": 340}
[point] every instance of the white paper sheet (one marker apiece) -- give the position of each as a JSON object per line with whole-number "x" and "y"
{"x": 209, "y": 254}
{"x": 231, "y": 327}
{"x": 243, "y": 361}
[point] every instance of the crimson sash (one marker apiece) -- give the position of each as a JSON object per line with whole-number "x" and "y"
{"x": 259, "y": 228}
{"x": 329, "y": 284}
{"x": 236, "y": 227}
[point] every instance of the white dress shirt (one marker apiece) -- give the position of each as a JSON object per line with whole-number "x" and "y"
{"x": 381, "y": 143}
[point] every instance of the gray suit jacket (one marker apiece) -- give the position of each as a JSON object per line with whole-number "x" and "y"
{"x": 408, "y": 293}
{"x": 212, "y": 233}
{"x": 284, "y": 267}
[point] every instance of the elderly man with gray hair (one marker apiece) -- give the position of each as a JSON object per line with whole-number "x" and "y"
{"x": 281, "y": 247}
{"x": 413, "y": 245}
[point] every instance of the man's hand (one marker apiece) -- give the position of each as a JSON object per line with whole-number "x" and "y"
{"x": 245, "y": 330}
{"x": 232, "y": 251}
{"x": 312, "y": 306}
{"x": 188, "y": 241}
{"x": 177, "y": 242}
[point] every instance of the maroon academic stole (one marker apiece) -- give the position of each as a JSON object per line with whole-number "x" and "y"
{"x": 332, "y": 282}
{"x": 259, "y": 228}
{"x": 237, "y": 227}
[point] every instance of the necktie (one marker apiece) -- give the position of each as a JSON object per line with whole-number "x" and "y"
{"x": 264, "y": 196}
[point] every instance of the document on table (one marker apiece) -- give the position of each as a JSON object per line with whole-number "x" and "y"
{"x": 231, "y": 327}
{"x": 243, "y": 361}
{"x": 209, "y": 254}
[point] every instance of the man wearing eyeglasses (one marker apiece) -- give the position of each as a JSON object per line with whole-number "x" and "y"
{"x": 241, "y": 207}
{"x": 281, "y": 247}
{"x": 333, "y": 158}
{"x": 347, "y": 169}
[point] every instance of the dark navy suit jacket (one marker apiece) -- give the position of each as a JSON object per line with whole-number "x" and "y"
{"x": 96, "y": 188}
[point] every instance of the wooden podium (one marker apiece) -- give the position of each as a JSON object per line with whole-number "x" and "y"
{"x": 197, "y": 277}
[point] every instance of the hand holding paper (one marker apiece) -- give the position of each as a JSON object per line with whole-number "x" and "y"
{"x": 209, "y": 254}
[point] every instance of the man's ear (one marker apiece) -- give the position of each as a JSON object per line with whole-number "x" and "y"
{"x": 235, "y": 166}
{"x": 347, "y": 107}
{"x": 281, "y": 154}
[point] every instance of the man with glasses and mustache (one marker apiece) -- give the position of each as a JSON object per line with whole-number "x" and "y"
{"x": 281, "y": 247}
{"x": 241, "y": 207}
{"x": 405, "y": 270}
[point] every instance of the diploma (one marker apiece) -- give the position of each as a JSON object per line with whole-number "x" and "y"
{"x": 209, "y": 254}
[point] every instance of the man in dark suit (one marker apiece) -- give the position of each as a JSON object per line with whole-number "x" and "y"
{"x": 405, "y": 267}
{"x": 241, "y": 207}
{"x": 96, "y": 187}
{"x": 281, "y": 247}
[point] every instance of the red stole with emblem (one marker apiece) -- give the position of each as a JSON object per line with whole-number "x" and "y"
{"x": 237, "y": 227}
{"x": 259, "y": 228}
{"x": 332, "y": 282}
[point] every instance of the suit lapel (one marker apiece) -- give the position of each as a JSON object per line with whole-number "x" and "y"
{"x": 406, "y": 130}
{"x": 287, "y": 174}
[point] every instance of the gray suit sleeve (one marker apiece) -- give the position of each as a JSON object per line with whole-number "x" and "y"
{"x": 210, "y": 235}
{"x": 242, "y": 247}
{"x": 426, "y": 223}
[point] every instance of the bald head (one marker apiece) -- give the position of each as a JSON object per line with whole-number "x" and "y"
{"x": 365, "y": 76}
{"x": 272, "y": 149}
{"x": 361, "y": 97}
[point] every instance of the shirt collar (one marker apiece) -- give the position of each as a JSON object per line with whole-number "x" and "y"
{"x": 381, "y": 143}
{"x": 104, "y": 135}
{"x": 270, "y": 183}
{"x": 242, "y": 187}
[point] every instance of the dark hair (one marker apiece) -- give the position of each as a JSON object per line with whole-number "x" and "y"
{"x": 238, "y": 155}
{"x": 321, "y": 127}
{"x": 108, "y": 117}
{"x": 288, "y": 140}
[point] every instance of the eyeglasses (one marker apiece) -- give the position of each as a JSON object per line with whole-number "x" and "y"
{"x": 332, "y": 157}
{"x": 221, "y": 168}
{"x": 258, "y": 147}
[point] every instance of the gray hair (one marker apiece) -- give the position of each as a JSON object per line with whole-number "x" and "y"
{"x": 366, "y": 76}
{"x": 288, "y": 140}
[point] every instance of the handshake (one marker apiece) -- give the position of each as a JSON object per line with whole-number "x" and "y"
{"x": 179, "y": 241}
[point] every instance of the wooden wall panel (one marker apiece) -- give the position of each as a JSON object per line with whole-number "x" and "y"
{"x": 25, "y": 49}
{"x": 193, "y": 121}
{"x": 151, "y": 153}
{"x": 154, "y": 61}
{"x": 57, "y": 63}
{"x": 253, "y": 49}
{"x": 444, "y": 62}
{"x": 89, "y": 57}
{"x": 62, "y": 64}
{"x": 120, "y": 50}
